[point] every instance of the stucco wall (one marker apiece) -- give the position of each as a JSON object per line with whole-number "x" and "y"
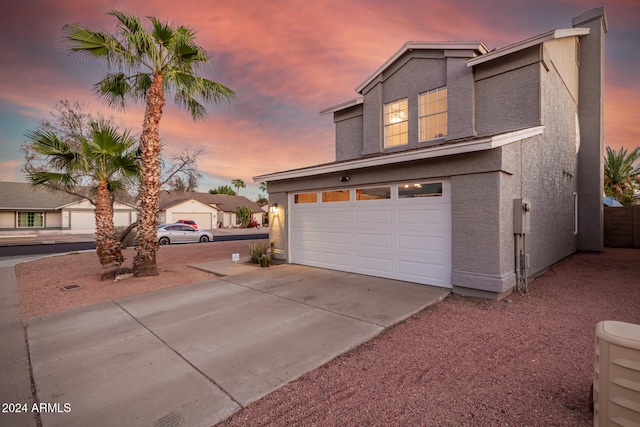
{"x": 349, "y": 133}
{"x": 508, "y": 93}
{"x": 591, "y": 168}
{"x": 7, "y": 220}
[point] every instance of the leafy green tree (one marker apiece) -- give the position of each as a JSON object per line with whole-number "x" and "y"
{"x": 621, "y": 178}
{"x": 105, "y": 162}
{"x": 238, "y": 183}
{"x": 243, "y": 214}
{"x": 147, "y": 63}
{"x": 223, "y": 189}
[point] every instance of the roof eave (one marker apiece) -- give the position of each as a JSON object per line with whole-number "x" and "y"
{"x": 426, "y": 153}
{"x": 551, "y": 35}
{"x": 344, "y": 105}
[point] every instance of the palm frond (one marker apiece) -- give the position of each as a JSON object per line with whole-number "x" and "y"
{"x": 52, "y": 179}
{"x": 113, "y": 89}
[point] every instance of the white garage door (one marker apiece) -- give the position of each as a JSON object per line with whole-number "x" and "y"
{"x": 83, "y": 220}
{"x": 398, "y": 231}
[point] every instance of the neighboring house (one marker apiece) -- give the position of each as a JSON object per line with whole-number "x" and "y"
{"x": 458, "y": 166}
{"x": 25, "y": 207}
{"x": 207, "y": 210}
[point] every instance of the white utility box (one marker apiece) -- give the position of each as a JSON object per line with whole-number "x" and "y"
{"x": 616, "y": 384}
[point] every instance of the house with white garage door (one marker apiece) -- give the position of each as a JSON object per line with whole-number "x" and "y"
{"x": 24, "y": 207}
{"x": 209, "y": 211}
{"x": 458, "y": 166}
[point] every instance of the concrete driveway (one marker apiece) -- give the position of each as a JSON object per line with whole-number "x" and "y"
{"x": 195, "y": 354}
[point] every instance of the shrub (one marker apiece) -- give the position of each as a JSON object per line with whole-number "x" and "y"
{"x": 258, "y": 254}
{"x": 256, "y": 251}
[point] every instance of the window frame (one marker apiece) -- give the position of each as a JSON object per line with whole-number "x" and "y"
{"x": 424, "y": 115}
{"x": 30, "y": 219}
{"x": 389, "y": 112}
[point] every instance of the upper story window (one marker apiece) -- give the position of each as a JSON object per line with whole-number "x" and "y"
{"x": 433, "y": 114}
{"x": 396, "y": 125}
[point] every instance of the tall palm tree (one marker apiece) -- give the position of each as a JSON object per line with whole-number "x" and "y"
{"x": 620, "y": 176}
{"x": 149, "y": 62}
{"x": 263, "y": 187}
{"x": 238, "y": 183}
{"x": 105, "y": 161}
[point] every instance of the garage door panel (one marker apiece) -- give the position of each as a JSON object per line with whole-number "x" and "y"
{"x": 426, "y": 216}
{"x": 421, "y": 243}
{"x": 339, "y": 218}
{"x": 369, "y": 264}
{"x": 303, "y": 218}
{"x": 374, "y": 241}
{"x": 306, "y": 236}
{"x": 336, "y": 260}
{"x": 334, "y": 238}
{"x": 368, "y": 217}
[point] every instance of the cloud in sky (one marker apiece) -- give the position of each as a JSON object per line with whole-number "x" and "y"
{"x": 287, "y": 60}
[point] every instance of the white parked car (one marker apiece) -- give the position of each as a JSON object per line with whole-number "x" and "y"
{"x": 182, "y": 233}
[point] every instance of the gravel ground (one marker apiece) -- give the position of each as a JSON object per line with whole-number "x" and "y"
{"x": 524, "y": 361}
{"x": 40, "y": 281}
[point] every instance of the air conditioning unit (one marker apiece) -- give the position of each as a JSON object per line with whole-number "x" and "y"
{"x": 616, "y": 385}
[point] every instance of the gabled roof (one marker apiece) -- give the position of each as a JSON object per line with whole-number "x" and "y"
{"x": 224, "y": 202}
{"x": 23, "y": 195}
{"x": 479, "y": 47}
{"x": 551, "y": 35}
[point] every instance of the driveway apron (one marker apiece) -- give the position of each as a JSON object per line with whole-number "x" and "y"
{"x": 195, "y": 354}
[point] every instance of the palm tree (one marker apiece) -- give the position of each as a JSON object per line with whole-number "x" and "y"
{"x": 620, "y": 176}
{"x": 263, "y": 187}
{"x": 238, "y": 183}
{"x": 147, "y": 63}
{"x": 105, "y": 161}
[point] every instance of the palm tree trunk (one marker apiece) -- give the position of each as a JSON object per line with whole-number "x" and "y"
{"x": 144, "y": 262}
{"x": 107, "y": 246}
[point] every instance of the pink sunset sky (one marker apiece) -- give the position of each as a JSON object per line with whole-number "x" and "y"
{"x": 286, "y": 60}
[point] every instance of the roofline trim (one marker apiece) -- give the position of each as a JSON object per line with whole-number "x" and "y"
{"x": 524, "y": 44}
{"x": 344, "y": 105}
{"x": 426, "y": 153}
{"x": 424, "y": 46}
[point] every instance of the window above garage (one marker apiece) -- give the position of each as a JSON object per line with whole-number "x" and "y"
{"x": 400, "y": 191}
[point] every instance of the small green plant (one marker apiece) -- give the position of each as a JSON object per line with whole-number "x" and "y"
{"x": 258, "y": 253}
{"x": 243, "y": 214}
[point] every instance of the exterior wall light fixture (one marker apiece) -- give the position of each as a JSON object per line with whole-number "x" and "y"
{"x": 273, "y": 208}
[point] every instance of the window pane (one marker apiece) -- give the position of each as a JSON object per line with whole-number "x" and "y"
{"x": 375, "y": 193}
{"x": 433, "y": 114}
{"x": 431, "y": 189}
{"x": 38, "y": 219}
{"x": 335, "y": 196}
{"x": 305, "y": 198}
{"x": 30, "y": 219}
{"x": 396, "y": 123}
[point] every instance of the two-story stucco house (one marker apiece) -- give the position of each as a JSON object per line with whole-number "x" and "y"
{"x": 457, "y": 166}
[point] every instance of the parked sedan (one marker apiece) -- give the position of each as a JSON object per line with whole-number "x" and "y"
{"x": 182, "y": 233}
